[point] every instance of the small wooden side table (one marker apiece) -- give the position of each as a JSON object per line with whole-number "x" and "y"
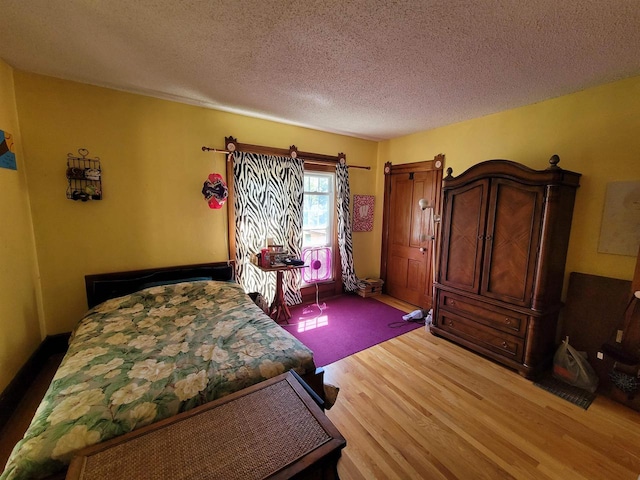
{"x": 272, "y": 430}
{"x": 279, "y": 305}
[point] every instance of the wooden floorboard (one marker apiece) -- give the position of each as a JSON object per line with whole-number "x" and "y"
{"x": 14, "y": 429}
{"x": 418, "y": 406}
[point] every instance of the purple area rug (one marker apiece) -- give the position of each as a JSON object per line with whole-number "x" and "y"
{"x": 346, "y": 325}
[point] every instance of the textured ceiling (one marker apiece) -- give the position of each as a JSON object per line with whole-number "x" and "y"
{"x": 365, "y": 68}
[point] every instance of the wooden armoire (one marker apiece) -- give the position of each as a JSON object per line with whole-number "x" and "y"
{"x": 505, "y": 234}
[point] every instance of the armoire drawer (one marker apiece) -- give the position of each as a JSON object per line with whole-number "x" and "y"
{"x": 492, "y": 339}
{"x": 506, "y": 320}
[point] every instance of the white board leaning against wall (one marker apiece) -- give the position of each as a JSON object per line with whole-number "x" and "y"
{"x": 620, "y": 228}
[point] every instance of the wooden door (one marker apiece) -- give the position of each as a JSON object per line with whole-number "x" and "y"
{"x": 409, "y": 236}
{"x": 463, "y": 230}
{"x": 511, "y": 243}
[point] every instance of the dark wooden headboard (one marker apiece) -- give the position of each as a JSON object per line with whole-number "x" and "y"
{"x": 103, "y": 286}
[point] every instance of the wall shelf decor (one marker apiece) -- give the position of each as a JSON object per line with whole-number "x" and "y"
{"x": 84, "y": 176}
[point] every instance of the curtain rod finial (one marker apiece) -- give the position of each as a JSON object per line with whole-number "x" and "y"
{"x": 230, "y": 143}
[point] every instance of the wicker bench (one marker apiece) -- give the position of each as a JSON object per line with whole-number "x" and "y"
{"x": 270, "y": 430}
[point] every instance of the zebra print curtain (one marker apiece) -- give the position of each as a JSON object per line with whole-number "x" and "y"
{"x": 345, "y": 242}
{"x": 268, "y": 203}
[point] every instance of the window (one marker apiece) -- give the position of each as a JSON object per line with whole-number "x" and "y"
{"x": 318, "y": 226}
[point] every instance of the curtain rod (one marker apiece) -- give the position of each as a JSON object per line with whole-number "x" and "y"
{"x": 293, "y": 152}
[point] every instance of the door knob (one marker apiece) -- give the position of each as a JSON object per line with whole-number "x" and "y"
{"x": 422, "y": 249}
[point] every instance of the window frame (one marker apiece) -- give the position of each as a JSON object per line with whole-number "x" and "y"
{"x": 330, "y": 229}
{"x": 329, "y": 287}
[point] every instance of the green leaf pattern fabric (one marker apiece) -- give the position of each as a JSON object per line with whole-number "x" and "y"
{"x": 138, "y": 359}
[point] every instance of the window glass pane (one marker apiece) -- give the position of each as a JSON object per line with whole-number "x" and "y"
{"x": 315, "y": 238}
{"x": 317, "y": 211}
{"x": 318, "y": 183}
{"x": 323, "y": 184}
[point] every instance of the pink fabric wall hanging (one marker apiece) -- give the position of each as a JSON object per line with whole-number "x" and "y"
{"x": 363, "y": 213}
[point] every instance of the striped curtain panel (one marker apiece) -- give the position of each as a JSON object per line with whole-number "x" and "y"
{"x": 268, "y": 204}
{"x": 345, "y": 242}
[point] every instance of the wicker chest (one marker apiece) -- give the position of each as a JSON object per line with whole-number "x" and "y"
{"x": 270, "y": 430}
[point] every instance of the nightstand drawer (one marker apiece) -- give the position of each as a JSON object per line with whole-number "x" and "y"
{"x": 505, "y": 320}
{"x": 492, "y": 339}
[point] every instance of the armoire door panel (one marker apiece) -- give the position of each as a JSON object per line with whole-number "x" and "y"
{"x": 512, "y": 238}
{"x": 463, "y": 240}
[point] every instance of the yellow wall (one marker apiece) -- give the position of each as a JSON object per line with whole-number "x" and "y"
{"x": 153, "y": 212}
{"x": 19, "y": 317}
{"x": 595, "y": 132}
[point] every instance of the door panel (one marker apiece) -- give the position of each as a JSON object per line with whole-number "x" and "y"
{"x": 421, "y": 220}
{"x": 407, "y": 274}
{"x": 401, "y": 205}
{"x": 463, "y": 236}
{"x": 397, "y": 272}
{"x": 513, "y": 235}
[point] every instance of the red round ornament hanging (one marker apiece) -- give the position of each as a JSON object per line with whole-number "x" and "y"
{"x": 215, "y": 191}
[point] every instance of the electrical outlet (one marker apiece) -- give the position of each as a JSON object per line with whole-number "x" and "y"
{"x": 600, "y": 356}
{"x": 619, "y": 336}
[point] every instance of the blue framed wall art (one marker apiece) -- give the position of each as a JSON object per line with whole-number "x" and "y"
{"x": 7, "y": 155}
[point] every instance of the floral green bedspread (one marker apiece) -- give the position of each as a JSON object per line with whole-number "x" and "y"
{"x": 138, "y": 359}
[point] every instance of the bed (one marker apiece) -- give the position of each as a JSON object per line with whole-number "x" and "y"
{"x": 154, "y": 343}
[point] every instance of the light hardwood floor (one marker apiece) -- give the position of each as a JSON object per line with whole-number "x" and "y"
{"x": 14, "y": 429}
{"x": 418, "y": 406}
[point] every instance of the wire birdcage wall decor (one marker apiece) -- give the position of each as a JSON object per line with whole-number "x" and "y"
{"x": 84, "y": 176}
